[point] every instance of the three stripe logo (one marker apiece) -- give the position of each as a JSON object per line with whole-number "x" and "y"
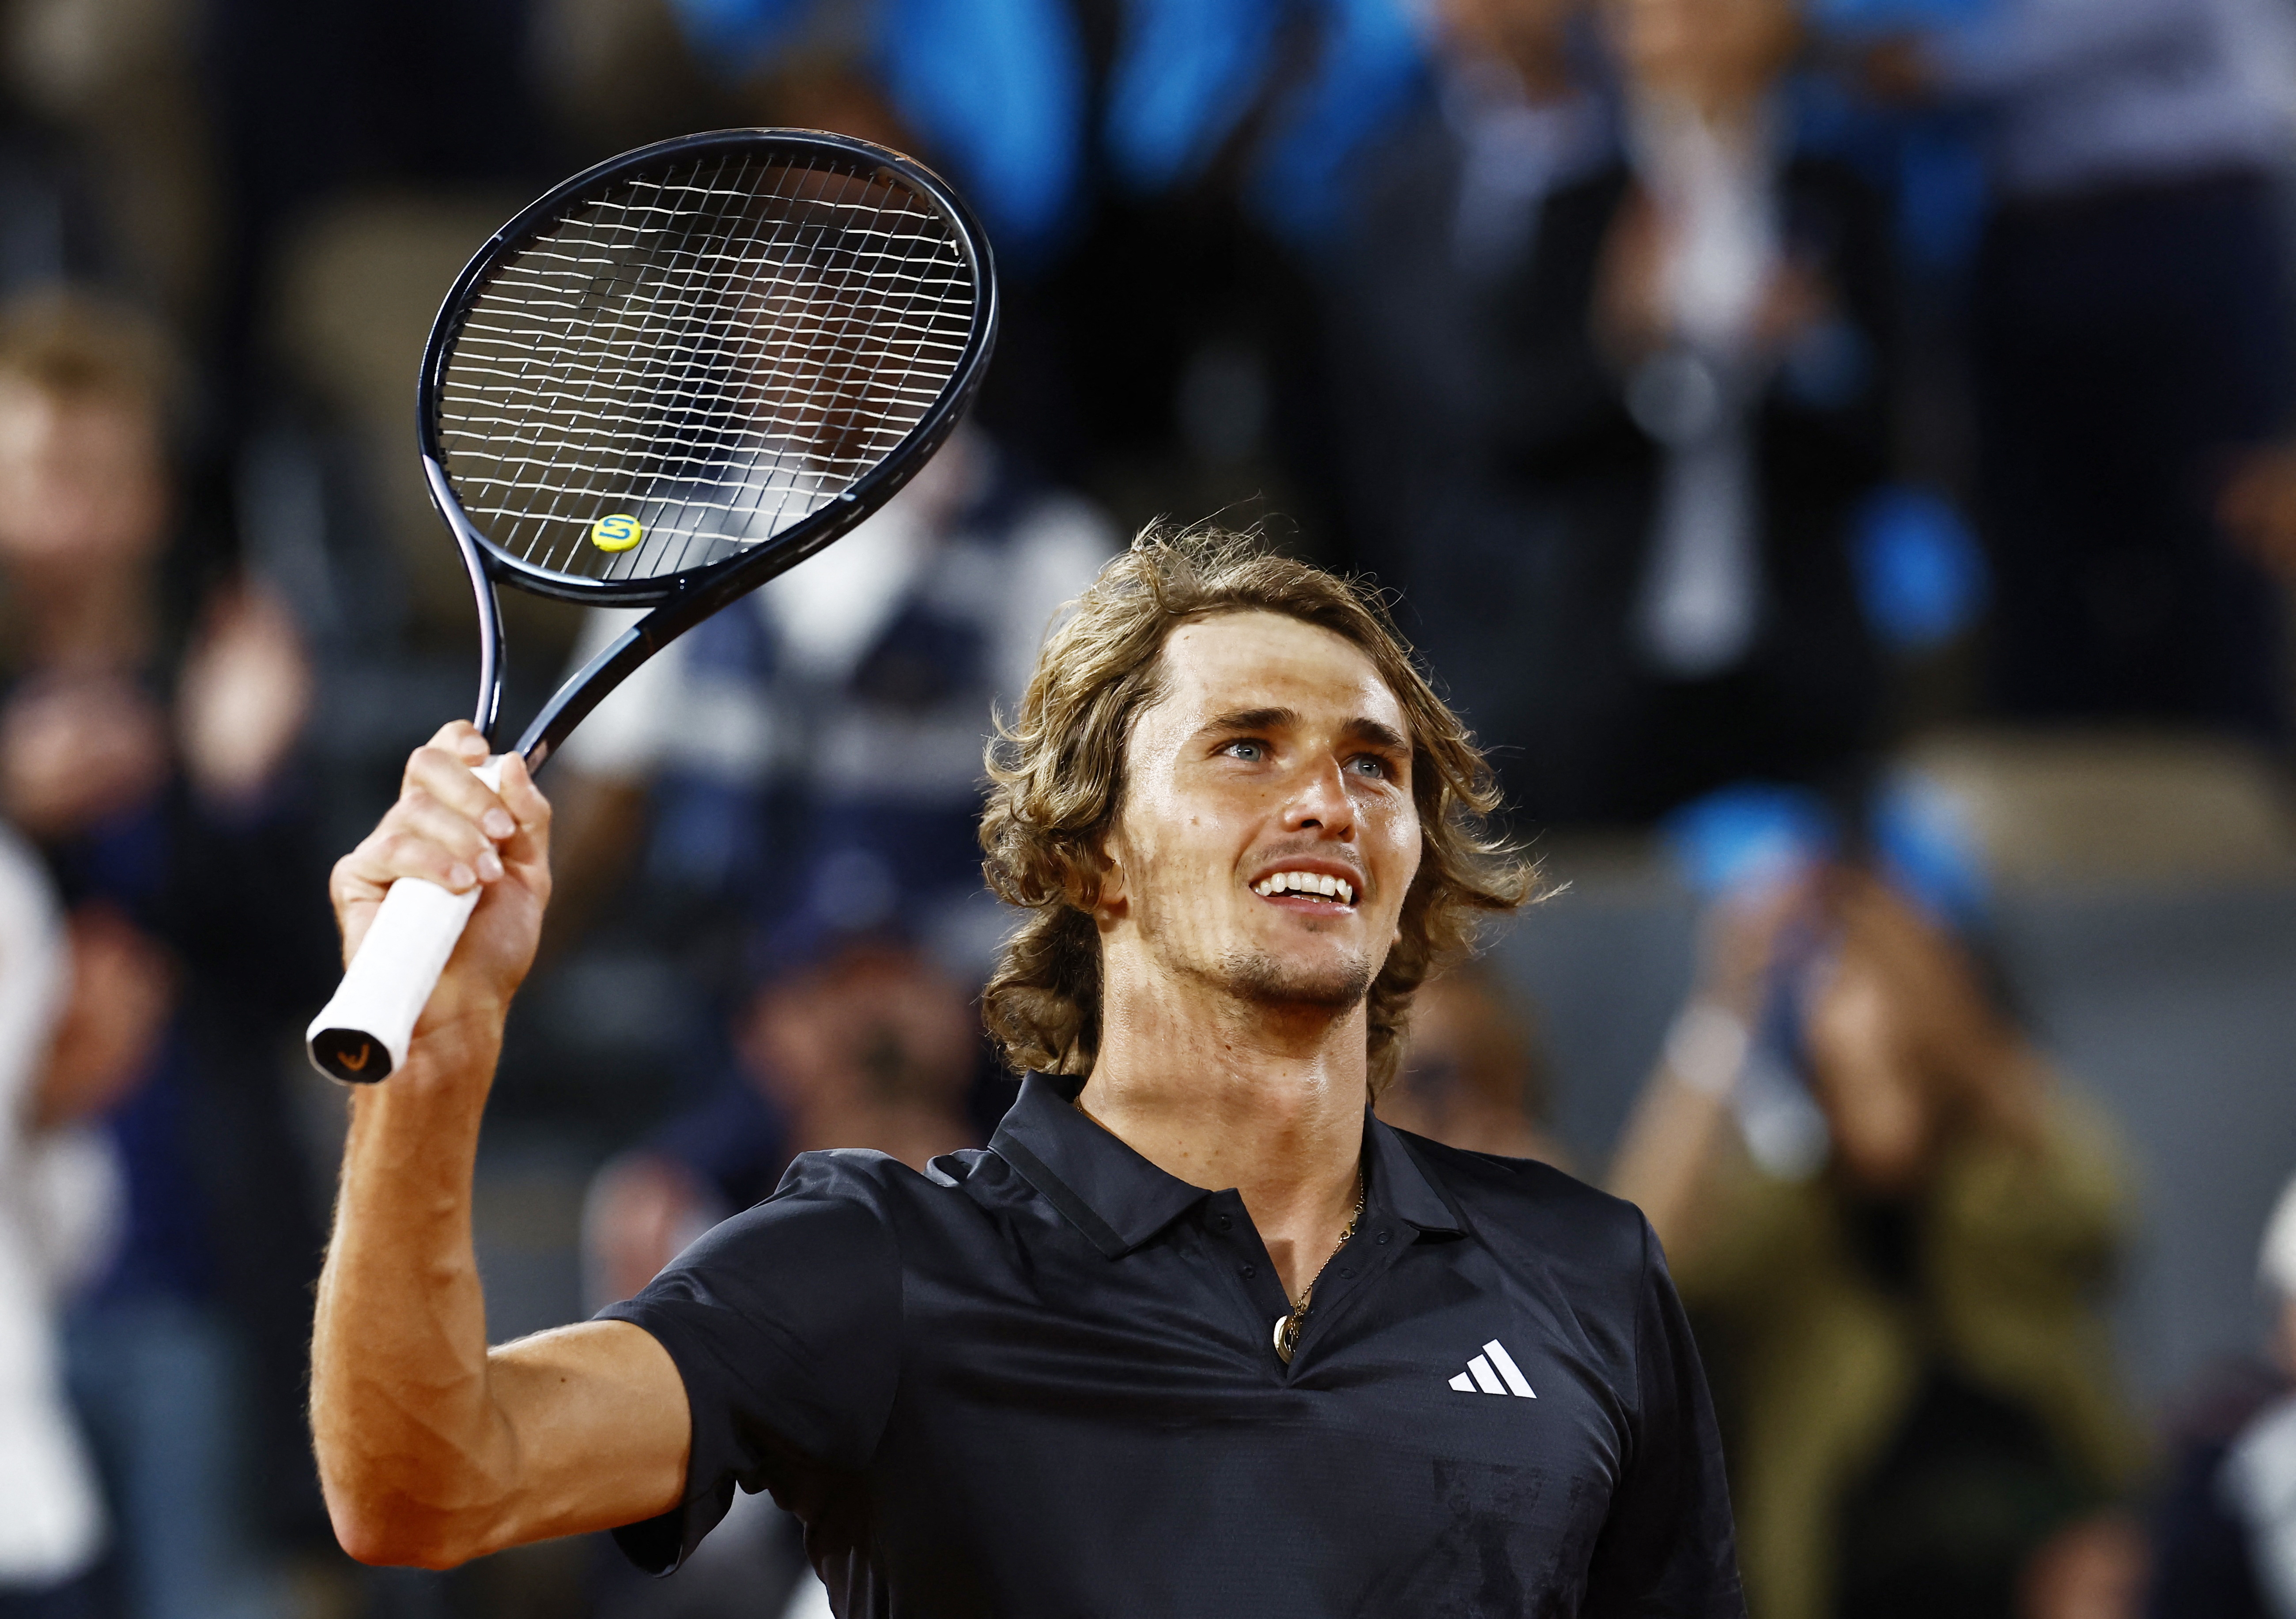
{"x": 1484, "y": 1371}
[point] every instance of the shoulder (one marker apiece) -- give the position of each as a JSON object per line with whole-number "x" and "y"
{"x": 1520, "y": 1206}
{"x": 872, "y": 1180}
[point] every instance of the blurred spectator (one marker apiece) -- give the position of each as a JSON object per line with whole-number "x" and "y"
{"x": 1900, "y": 1309}
{"x": 2225, "y": 1528}
{"x": 1441, "y": 234}
{"x": 1472, "y": 1077}
{"x": 812, "y": 755}
{"x": 142, "y": 743}
{"x": 1161, "y": 178}
{"x": 1698, "y": 351}
{"x": 52, "y": 1520}
{"x": 116, "y": 79}
{"x": 2131, "y": 337}
{"x": 873, "y": 1047}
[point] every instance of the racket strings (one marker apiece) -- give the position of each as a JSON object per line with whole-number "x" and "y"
{"x": 716, "y": 351}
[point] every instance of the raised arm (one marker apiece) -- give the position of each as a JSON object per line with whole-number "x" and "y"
{"x": 432, "y": 1448}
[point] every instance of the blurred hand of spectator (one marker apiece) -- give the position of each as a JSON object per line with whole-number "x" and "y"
{"x": 1680, "y": 1126}
{"x": 1635, "y": 305}
{"x": 1929, "y": 1019}
{"x": 75, "y": 749}
{"x": 245, "y": 693}
{"x": 1743, "y": 934}
{"x": 2258, "y": 507}
{"x": 2095, "y": 1569}
{"x": 1632, "y": 313}
{"x": 122, "y": 994}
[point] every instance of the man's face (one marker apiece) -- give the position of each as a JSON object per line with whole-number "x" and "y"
{"x": 1267, "y": 833}
{"x": 82, "y": 481}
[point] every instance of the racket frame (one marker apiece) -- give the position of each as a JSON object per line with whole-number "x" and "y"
{"x": 684, "y": 599}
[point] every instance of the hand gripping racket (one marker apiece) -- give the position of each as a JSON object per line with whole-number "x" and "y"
{"x": 676, "y": 376}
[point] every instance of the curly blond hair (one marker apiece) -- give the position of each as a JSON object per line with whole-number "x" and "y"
{"x": 1056, "y": 782}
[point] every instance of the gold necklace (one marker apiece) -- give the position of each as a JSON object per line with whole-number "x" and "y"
{"x": 1287, "y": 1326}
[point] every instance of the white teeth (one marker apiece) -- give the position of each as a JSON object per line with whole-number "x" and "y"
{"x": 1306, "y": 883}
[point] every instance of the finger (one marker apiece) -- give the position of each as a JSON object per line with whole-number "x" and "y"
{"x": 447, "y": 777}
{"x": 529, "y": 808}
{"x": 389, "y": 854}
{"x": 463, "y": 739}
{"x": 467, "y": 841}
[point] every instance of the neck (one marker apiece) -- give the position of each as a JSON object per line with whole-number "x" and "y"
{"x": 1221, "y": 1092}
{"x": 1732, "y": 110}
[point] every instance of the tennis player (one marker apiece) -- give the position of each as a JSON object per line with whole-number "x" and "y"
{"x": 1195, "y": 1334}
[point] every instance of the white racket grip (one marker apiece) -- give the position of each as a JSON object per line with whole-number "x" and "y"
{"x": 362, "y": 1034}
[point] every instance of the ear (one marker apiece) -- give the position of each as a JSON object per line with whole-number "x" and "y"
{"x": 1113, "y": 900}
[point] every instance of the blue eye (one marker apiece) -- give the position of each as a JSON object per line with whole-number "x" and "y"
{"x": 1369, "y": 764}
{"x": 1246, "y": 749}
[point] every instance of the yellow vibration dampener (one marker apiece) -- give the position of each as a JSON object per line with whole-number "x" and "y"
{"x": 618, "y": 532}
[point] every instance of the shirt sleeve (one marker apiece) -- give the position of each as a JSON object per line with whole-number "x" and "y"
{"x": 784, "y": 1323}
{"x": 1668, "y": 1549}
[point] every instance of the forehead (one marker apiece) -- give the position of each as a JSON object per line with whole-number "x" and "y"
{"x": 1245, "y": 661}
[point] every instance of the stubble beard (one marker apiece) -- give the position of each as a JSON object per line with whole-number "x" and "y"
{"x": 1258, "y": 978}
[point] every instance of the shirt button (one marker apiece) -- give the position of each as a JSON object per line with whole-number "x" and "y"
{"x": 1346, "y": 1271}
{"x": 1383, "y": 1235}
{"x": 1223, "y": 1222}
{"x": 1249, "y": 1271}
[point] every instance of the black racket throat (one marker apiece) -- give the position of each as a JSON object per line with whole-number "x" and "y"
{"x": 589, "y": 685}
{"x": 687, "y": 369}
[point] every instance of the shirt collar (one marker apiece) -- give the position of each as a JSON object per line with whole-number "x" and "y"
{"x": 1119, "y": 1200}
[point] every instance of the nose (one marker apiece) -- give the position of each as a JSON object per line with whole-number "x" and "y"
{"x": 1321, "y": 802}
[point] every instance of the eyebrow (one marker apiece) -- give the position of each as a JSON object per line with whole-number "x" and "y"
{"x": 1253, "y": 719}
{"x": 1378, "y": 735}
{"x": 1360, "y": 730}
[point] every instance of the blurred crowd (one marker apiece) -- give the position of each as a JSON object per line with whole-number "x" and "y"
{"x": 1731, "y": 393}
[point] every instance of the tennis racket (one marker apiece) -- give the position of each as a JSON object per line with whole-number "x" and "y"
{"x": 678, "y": 374}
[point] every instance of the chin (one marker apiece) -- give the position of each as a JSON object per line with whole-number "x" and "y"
{"x": 1339, "y": 982}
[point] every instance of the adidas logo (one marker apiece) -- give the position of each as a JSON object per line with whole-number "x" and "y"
{"x": 1484, "y": 1371}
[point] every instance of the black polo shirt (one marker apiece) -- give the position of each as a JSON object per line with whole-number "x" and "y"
{"x": 1037, "y": 1382}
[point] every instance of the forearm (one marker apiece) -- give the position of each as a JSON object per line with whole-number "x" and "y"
{"x": 1666, "y": 1158}
{"x": 414, "y": 1457}
{"x": 432, "y": 1448}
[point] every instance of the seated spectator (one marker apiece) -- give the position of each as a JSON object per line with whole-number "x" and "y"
{"x": 1701, "y": 395}
{"x": 870, "y": 1046}
{"x": 144, "y": 730}
{"x": 2225, "y": 1527}
{"x": 1471, "y": 1075}
{"x": 1900, "y": 1313}
{"x": 873, "y": 1046}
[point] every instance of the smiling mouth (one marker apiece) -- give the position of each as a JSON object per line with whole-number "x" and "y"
{"x": 1306, "y": 888}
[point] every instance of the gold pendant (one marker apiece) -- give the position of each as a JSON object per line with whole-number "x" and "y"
{"x": 1287, "y": 1334}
